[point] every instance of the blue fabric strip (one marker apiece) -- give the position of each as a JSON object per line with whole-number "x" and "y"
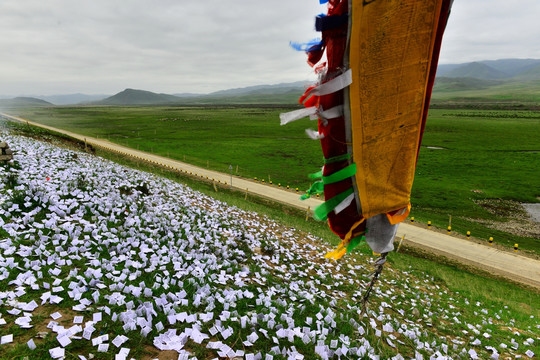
{"x": 312, "y": 45}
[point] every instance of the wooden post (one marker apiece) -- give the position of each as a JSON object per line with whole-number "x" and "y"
{"x": 400, "y": 241}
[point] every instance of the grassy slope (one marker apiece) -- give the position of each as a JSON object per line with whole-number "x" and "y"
{"x": 466, "y": 289}
{"x": 248, "y": 137}
{"x": 485, "y": 151}
{"x": 487, "y": 155}
{"x": 469, "y": 91}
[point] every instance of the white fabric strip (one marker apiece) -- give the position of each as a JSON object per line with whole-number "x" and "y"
{"x": 380, "y": 233}
{"x": 336, "y": 84}
{"x": 342, "y": 205}
{"x": 332, "y": 113}
{"x": 296, "y": 114}
{"x": 315, "y": 135}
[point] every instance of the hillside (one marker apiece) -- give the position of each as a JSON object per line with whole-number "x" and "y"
{"x": 493, "y": 69}
{"x": 477, "y": 70}
{"x": 532, "y": 72}
{"x": 261, "y": 89}
{"x": 71, "y": 99}
{"x": 264, "y": 94}
{"x": 23, "y": 102}
{"x": 462, "y": 83}
{"x": 471, "y": 92}
{"x": 148, "y": 264}
{"x": 138, "y": 97}
{"x": 487, "y": 81}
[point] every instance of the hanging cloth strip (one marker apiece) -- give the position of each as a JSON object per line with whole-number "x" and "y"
{"x": 367, "y": 116}
{"x": 291, "y": 116}
{"x": 344, "y": 204}
{"x": 314, "y": 135}
{"x": 321, "y": 212}
{"x": 313, "y": 45}
{"x": 324, "y": 22}
{"x": 348, "y": 243}
{"x": 337, "y": 158}
{"x": 318, "y": 186}
{"x": 338, "y": 83}
{"x": 340, "y": 175}
{"x": 332, "y": 113}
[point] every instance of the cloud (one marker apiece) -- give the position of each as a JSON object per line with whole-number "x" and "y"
{"x": 167, "y": 46}
{"x": 490, "y": 30}
{"x": 104, "y": 46}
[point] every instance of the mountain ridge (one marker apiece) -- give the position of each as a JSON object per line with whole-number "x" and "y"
{"x": 24, "y": 101}
{"x": 493, "y": 75}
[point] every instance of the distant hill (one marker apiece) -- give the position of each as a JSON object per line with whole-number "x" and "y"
{"x": 24, "y": 101}
{"x": 476, "y": 70}
{"x": 72, "y": 99}
{"x": 261, "y": 94}
{"x": 530, "y": 73}
{"x": 282, "y": 88}
{"x": 512, "y": 67}
{"x": 138, "y": 97}
{"x": 505, "y": 80}
{"x": 463, "y": 83}
{"x": 504, "y": 69}
{"x": 506, "y": 83}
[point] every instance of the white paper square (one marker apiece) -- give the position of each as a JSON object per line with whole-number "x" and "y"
{"x": 31, "y": 344}
{"x": 6, "y": 339}
{"x": 57, "y": 352}
{"x": 64, "y": 340}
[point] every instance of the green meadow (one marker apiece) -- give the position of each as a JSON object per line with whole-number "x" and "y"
{"x": 455, "y": 308}
{"x": 469, "y": 92}
{"x": 474, "y": 168}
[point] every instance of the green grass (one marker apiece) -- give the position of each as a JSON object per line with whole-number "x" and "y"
{"x": 447, "y": 288}
{"x": 468, "y": 92}
{"x": 488, "y": 154}
{"x": 249, "y": 138}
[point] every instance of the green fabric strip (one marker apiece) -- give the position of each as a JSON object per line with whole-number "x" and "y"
{"x": 340, "y": 175}
{"x": 316, "y": 188}
{"x": 337, "y": 158}
{"x": 355, "y": 242}
{"x": 321, "y": 211}
{"x": 316, "y": 175}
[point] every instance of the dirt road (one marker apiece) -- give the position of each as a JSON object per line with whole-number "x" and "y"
{"x": 502, "y": 263}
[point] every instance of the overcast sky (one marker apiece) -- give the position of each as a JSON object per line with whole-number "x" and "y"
{"x": 173, "y": 46}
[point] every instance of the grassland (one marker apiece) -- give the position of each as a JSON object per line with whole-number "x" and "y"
{"x": 476, "y": 93}
{"x": 488, "y": 162}
{"x": 452, "y": 310}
